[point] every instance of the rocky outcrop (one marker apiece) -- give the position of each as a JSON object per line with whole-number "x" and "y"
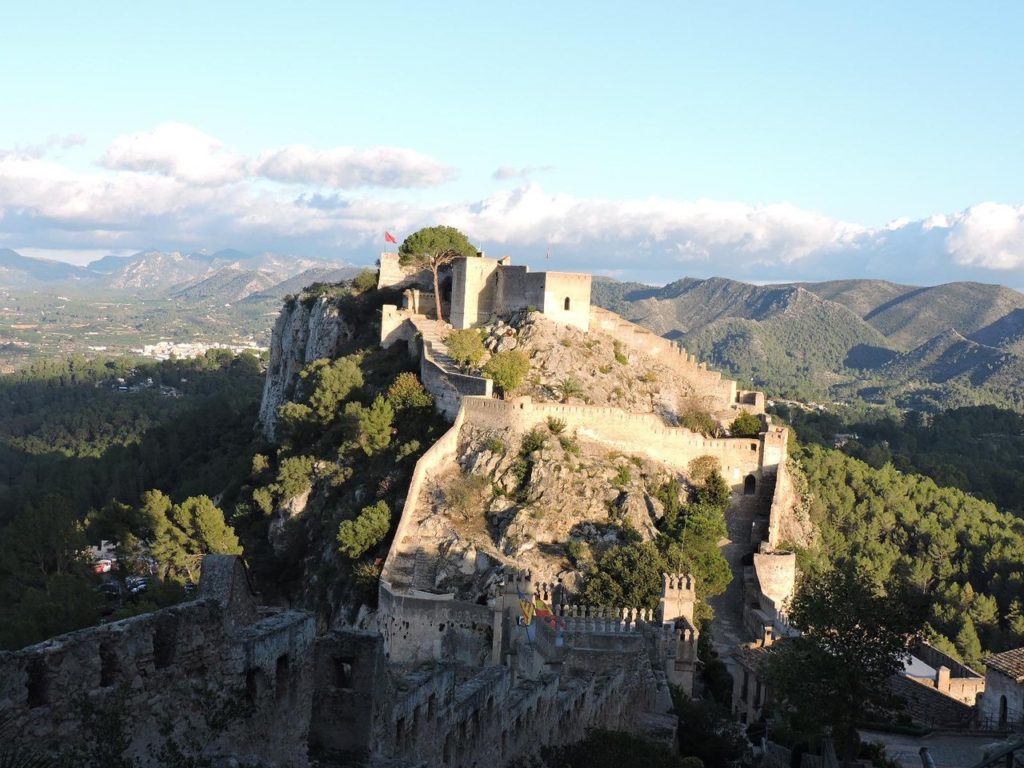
{"x": 305, "y": 331}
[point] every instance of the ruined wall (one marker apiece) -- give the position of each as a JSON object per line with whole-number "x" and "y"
{"x": 395, "y": 326}
{"x": 776, "y": 576}
{"x": 952, "y": 678}
{"x": 566, "y": 298}
{"x": 448, "y": 387}
{"x": 495, "y": 719}
{"x": 351, "y": 681}
{"x": 640, "y": 433}
{"x": 218, "y": 654}
{"x": 442, "y": 453}
{"x": 419, "y": 628}
{"x": 393, "y": 275}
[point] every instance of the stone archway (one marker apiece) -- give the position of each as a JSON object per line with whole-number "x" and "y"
{"x": 749, "y": 485}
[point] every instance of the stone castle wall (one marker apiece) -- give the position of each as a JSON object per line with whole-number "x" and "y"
{"x": 713, "y": 391}
{"x": 217, "y": 653}
{"x": 441, "y": 454}
{"x": 393, "y": 275}
{"x": 641, "y": 433}
{"x": 482, "y": 287}
{"x": 418, "y": 628}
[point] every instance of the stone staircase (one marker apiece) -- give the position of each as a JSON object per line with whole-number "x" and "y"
{"x": 433, "y": 334}
{"x": 424, "y": 570}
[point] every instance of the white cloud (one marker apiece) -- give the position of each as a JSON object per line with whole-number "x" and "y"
{"x": 989, "y": 235}
{"x": 177, "y": 150}
{"x": 182, "y": 152}
{"x": 166, "y": 195}
{"x": 349, "y": 168}
{"x": 507, "y": 172}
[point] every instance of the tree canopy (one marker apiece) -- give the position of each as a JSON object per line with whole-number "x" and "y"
{"x": 466, "y": 347}
{"x": 434, "y": 248}
{"x": 508, "y": 369}
{"x": 855, "y": 636}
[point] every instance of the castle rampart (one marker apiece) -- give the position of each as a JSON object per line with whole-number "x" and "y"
{"x": 219, "y": 652}
{"x": 641, "y": 433}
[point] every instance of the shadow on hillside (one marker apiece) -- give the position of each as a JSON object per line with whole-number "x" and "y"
{"x": 868, "y": 357}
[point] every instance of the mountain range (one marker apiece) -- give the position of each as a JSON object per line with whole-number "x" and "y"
{"x": 951, "y": 344}
{"x": 224, "y": 276}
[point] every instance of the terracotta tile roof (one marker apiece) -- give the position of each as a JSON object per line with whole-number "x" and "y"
{"x": 752, "y": 657}
{"x": 1010, "y": 663}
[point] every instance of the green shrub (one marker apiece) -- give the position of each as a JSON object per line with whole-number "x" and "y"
{"x": 366, "y": 280}
{"x": 620, "y": 356}
{"x": 556, "y": 426}
{"x": 534, "y": 440}
{"x": 569, "y": 445}
{"x": 359, "y": 536}
{"x": 699, "y": 421}
{"x": 578, "y": 552}
{"x": 623, "y": 477}
{"x": 745, "y": 425}
{"x": 507, "y": 370}
{"x": 466, "y": 347}
{"x": 495, "y": 445}
{"x": 520, "y": 470}
{"x": 294, "y": 476}
{"x": 406, "y": 391}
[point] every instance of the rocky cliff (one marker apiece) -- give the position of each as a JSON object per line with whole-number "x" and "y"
{"x": 305, "y": 331}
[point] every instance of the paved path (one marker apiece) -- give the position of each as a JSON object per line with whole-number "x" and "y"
{"x": 727, "y": 629}
{"x": 947, "y": 750}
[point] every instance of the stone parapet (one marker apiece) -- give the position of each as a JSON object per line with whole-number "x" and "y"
{"x": 218, "y": 671}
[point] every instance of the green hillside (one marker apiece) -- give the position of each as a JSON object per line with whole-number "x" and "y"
{"x": 949, "y": 345}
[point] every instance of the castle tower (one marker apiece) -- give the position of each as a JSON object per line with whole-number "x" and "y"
{"x": 507, "y": 610}
{"x": 678, "y": 594}
{"x": 680, "y": 635}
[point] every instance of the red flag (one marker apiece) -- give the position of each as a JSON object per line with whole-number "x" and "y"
{"x": 389, "y": 238}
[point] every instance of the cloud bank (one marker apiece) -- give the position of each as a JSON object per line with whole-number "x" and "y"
{"x": 175, "y": 188}
{"x": 187, "y": 154}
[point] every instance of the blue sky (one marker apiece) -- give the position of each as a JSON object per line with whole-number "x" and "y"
{"x": 758, "y": 141}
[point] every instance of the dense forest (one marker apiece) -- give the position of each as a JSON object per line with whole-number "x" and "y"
{"x": 81, "y": 444}
{"x": 978, "y": 449}
{"x": 958, "y": 554}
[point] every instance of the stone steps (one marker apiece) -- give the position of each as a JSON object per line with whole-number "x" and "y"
{"x": 424, "y": 571}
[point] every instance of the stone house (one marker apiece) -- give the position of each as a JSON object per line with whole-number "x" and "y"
{"x": 1002, "y": 703}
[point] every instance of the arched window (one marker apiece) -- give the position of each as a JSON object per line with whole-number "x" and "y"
{"x": 749, "y": 485}
{"x": 566, "y": 303}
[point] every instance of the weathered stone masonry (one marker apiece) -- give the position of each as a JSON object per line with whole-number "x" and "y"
{"x": 218, "y": 649}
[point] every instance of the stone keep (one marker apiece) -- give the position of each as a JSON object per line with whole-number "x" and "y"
{"x": 482, "y": 287}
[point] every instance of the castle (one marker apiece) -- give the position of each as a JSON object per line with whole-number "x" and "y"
{"x": 434, "y": 680}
